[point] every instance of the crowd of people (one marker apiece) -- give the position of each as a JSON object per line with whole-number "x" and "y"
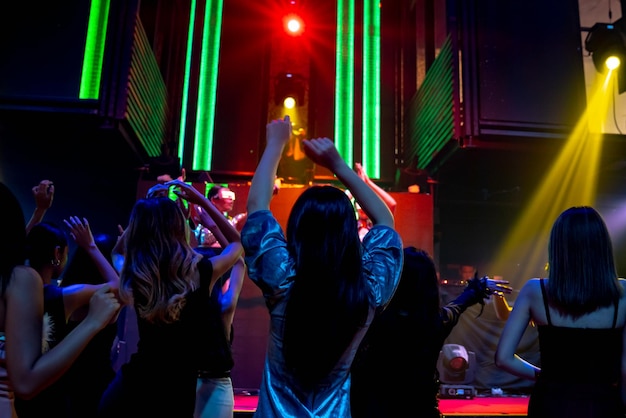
{"x": 346, "y": 300}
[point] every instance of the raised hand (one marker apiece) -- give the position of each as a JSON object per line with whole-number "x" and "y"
{"x": 278, "y": 131}
{"x": 80, "y": 231}
{"x": 158, "y": 190}
{"x": 498, "y": 286}
{"x": 358, "y": 167}
{"x": 322, "y": 151}
{"x": 186, "y": 191}
{"x": 43, "y": 194}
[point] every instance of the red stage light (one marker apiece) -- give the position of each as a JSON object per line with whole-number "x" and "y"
{"x": 458, "y": 364}
{"x": 294, "y": 25}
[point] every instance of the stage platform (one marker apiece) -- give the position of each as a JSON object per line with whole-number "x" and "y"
{"x": 478, "y": 407}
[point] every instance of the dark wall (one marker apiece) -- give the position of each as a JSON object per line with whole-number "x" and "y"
{"x": 241, "y": 108}
{"x": 523, "y": 92}
{"x": 42, "y": 45}
{"x": 529, "y": 63}
{"x": 94, "y": 172}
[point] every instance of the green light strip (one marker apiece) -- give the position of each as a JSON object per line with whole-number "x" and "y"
{"x": 344, "y": 80}
{"x": 185, "y": 98}
{"x": 207, "y": 86}
{"x": 371, "y": 87}
{"x": 94, "y": 50}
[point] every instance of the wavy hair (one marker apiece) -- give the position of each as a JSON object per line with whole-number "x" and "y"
{"x": 13, "y": 242}
{"x": 328, "y": 302}
{"x": 160, "y": 266}
{"x": 581, "y": 263}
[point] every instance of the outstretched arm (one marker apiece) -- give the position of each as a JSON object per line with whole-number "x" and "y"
{"x": 501, "y": 306}
{"x": 261, "y": 190}
{"x": 322, "y": 151}
{"x": 476, "y": 291}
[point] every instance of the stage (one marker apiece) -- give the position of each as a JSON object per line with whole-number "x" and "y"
{"x": 478, "y": 407}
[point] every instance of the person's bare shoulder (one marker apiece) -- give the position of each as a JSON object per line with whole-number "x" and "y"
{"x": 24, "y": 279}
{"x": 530, "y": 291}
{"x": 533, "y": 284}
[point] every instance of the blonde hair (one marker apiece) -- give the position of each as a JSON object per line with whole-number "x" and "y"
{"x": 160, "y": 266}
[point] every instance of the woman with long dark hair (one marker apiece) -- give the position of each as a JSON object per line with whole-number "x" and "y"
{"x": 321, "y": 284}
{"x": 404, "y": 341}
{"x": 580, "y": 314}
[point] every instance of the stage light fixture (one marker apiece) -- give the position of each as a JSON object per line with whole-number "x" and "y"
{"x": 457, "y": 368}
{"x": 289, "y": 85}
{"x": 293, "y": 24}
{"x": 289, "y": 102}
{"x": 606, "y": 42}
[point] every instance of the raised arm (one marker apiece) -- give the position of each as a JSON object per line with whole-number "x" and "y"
{"x": 386, "y": 197}
{"x": 322, "y": 151}
{"x": 79, "y": 294}
{"x": 82, "y": 235}
{"x": 261, "y": 190}
{"x": 234, "y": 249}
{"x": 44, "y": 195}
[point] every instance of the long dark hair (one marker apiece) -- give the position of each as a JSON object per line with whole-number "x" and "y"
{"x": 581, "y": 263}
{"x": 41, "y": 242}
{"x": 13, "y": 242}
{"x": 417, "y": 293}
{"x": 328, "y": 302}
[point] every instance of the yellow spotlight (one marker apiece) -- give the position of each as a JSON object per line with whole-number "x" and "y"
{"x": 605, "y": 40}
{"x": 289, "y": 102}
{"x": 612, "y": 62}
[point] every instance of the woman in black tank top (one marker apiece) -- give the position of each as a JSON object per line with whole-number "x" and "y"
{"x": 579, "y": 320}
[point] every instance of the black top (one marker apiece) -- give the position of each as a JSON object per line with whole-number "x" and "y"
{"x": 580, "y": 371}
{"x": 580, "y": 354}
{"x": 397, "y": 360}
{"x": 160, "y": 378}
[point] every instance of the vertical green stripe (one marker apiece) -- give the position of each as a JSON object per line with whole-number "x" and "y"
{"x": 185, "y": 98}
{"x": 344, "y": 80}
{"x": 94, "y": 50}
{"x": 207, "y": 86}
{"x": 371, "y": 87}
